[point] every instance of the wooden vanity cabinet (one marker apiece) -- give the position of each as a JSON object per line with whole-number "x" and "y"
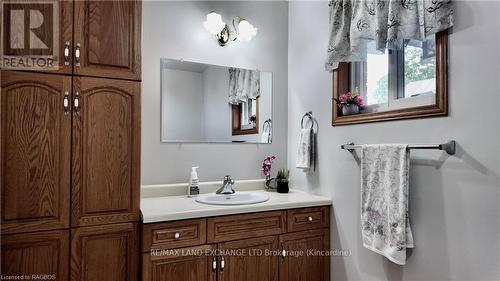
{"x": 315, "y": 265}
{"x": 246, "y": 260}
{"x": 186, "y": 264}
{"x": 249, "y": 247}
{"x": 236, "y": 227}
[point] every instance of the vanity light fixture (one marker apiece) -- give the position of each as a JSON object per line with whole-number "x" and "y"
{"x": 243, "y": 29}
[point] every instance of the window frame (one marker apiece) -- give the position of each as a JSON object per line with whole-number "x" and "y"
{"x": 237, "y": 128}
{"x": 341, "y": 84}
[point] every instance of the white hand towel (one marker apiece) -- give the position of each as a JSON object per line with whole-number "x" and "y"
{"x": 306, "y": 158}
{"x": 385, "y": 226}
{"x": 265, "y": 137}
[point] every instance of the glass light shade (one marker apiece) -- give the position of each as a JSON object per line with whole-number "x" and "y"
{"x": 214, "y": 23}
{"x": 246, "y": 30}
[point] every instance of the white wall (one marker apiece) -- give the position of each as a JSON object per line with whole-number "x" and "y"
{"x": 454, "y": 201}
{"x": 182, "y": 90}
{"x": 174, "y": 30}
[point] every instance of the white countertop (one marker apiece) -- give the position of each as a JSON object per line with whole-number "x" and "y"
{"x": 168, "y": 208}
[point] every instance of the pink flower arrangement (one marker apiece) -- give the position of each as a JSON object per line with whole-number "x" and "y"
{"x": 349, "y": 98}
{"x": 267, "y": 165}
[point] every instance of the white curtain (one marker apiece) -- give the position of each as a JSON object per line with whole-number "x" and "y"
{"x": 354, "y": 23}
{"x": 244, "y": 84}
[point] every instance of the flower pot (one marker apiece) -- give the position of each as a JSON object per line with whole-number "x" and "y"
{"x": 350, "y": 109}
{"x": 282, "y": 186}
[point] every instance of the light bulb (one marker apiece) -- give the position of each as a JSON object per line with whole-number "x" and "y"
{"x": 246, "y": 30}
{"x": 214, "y": 23}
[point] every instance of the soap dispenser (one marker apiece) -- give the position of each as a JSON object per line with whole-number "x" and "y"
{"x": 194, "y": 184}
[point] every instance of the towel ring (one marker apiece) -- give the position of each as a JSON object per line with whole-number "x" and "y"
{"x": 311, "y": 118}
{"x": 268, "y": 124}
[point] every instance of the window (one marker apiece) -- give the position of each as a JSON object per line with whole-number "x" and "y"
{"x": 245, "y": 117}
{"x": 248, "y": 114}
{"x": 407, "y": 83}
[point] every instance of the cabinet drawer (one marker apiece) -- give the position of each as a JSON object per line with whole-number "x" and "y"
{"x": 308, "y": 218}
{"x": 237, "y": 227}
{"x": 175, "y": 234}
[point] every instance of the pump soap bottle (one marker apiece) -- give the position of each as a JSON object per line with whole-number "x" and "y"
{"x": 194, "y": 184}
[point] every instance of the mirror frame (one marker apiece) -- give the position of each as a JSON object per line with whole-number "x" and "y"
{"x": 341, "y": 81}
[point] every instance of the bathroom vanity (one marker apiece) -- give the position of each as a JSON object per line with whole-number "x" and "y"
{"x": 286, "y": 238}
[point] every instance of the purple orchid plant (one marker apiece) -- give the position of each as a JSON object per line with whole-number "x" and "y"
{"x": 267, "y": 165}
{"x": 266, "y": 169}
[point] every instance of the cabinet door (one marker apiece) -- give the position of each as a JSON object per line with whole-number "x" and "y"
{"x": 311, "y": 265}
{"x": 246, "y": 260}
{"x": 38, "y": 255}
{"x": 106, "y": 151}
{"x": 55, "y": 18}
{"x": 108, "y": 35}
{"x": 35, "y": 152}
{"x": 104, "y": 253}
{"x": 187, "y": 264}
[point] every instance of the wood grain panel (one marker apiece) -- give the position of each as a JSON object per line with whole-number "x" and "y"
{"x": 106, "y": 152}
{"x": 311, "y": 265}
{"x": 245, "y": 260}
{"x": 308, "y": 218}
{"x": 109, "y": 33}
{"x": 235, "y": 227}
{"x": 104, "y": 253}
{"x": 35, "y": 152}
{"x": 187, "y": 264}
{"x": 163, "y": 235}
{"x": 64, "y": 19}
{"x": 38, "y": 255}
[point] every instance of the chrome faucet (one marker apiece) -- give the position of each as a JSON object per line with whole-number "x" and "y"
{"x": 227, "y": 186}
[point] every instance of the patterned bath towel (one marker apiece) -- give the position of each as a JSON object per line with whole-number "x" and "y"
{"x": 385, "y": 226}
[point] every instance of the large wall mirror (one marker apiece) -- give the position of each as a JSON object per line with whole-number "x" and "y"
{"x": 407, "y": 83}
{"x": 212, "y": 103}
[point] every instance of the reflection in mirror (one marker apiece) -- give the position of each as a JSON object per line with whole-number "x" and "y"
{"x": 212, "y": 103}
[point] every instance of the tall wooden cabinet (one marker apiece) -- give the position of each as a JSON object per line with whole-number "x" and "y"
{"x": 107, "y": 39}
{"x": 106, "y": 151}
{"x": 44, "y": 254}
{"x": 105, "y": 252}
{"x": 35, "y": 152}
{"x": 70, "y": 151}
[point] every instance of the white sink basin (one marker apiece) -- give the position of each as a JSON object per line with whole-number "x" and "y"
{"x": 238, "y": 198}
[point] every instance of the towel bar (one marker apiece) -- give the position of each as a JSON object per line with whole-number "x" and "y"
{"x": 449, "y": 147}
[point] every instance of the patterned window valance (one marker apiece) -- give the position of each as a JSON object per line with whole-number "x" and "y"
{"x": 354, "y": 23}
{"x": 244, "y": 84}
